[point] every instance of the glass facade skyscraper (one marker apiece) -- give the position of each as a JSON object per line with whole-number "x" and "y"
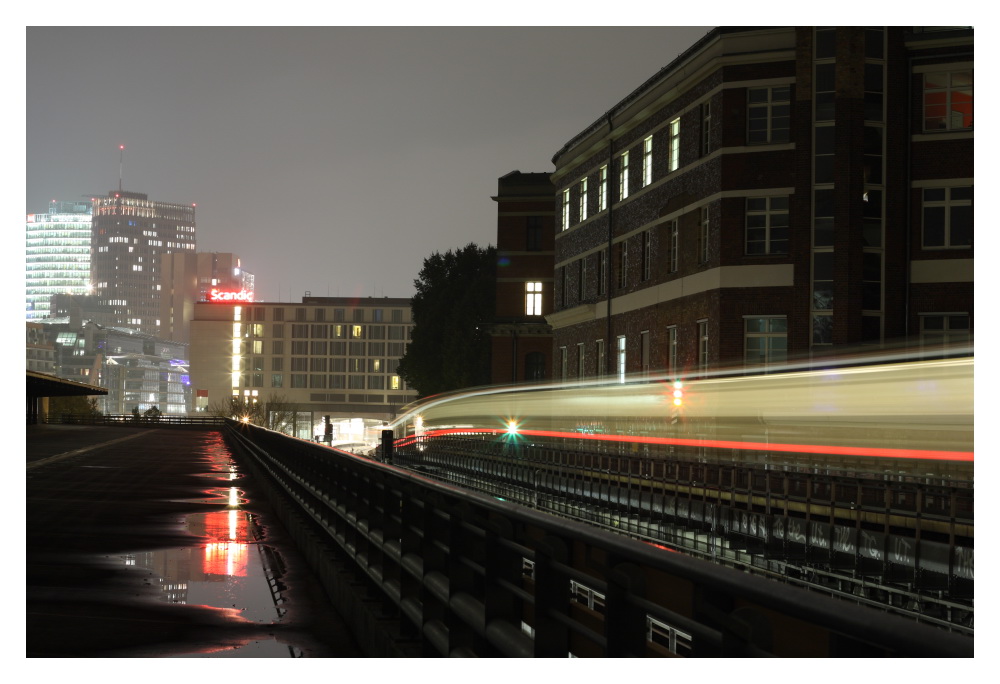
{"x": 57, "y": 255}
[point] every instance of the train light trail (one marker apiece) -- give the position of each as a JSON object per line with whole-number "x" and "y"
{"x": 918, "y": 410}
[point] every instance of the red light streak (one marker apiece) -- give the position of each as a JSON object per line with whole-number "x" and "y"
{"x": 832, "y": 450}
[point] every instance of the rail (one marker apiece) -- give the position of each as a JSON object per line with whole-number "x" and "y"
{"x": 468, "y": 574}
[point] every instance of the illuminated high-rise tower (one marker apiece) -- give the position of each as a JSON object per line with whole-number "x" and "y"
{"x": 130, "y": 232}
{"x": 57, "y": 255}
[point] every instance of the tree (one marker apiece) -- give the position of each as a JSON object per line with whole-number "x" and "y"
{"x": 274, "y": 411}
{"x": 77, "y": 405}
{"x": 453, "y": 310}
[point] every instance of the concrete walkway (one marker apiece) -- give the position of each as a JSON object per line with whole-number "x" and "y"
{"x": 95, "y": 493}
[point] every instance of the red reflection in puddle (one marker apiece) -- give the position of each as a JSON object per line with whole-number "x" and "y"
{"x": 227, "y": 549}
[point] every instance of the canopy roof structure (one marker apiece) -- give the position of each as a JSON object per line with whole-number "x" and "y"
{"x": 43, "y": 385}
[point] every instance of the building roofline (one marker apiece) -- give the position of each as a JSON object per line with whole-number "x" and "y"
{"x": 651, "y": 82}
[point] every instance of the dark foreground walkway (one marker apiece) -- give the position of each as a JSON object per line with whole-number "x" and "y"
{"x": 94, "y": 496}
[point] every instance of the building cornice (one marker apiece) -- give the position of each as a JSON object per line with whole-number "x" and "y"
{"x": 724, "y": 277}
{"x": 720, "y": 47}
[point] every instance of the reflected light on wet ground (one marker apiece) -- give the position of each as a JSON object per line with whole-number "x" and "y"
{"x": 230, "y": 570}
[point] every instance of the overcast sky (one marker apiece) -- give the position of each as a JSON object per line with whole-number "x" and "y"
{"x": 331, "y": 160}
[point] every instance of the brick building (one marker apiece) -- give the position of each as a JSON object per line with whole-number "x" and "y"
{"x": 771, "y": 193}
{"x": 521, "y": 339}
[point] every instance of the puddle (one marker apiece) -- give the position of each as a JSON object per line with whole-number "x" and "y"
{"x": 232, "y": 569}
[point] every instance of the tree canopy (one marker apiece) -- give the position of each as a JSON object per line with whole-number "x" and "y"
{"x": 453, "y": 310}
{"x": 273, "y": 411}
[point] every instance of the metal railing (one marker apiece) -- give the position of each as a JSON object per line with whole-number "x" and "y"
{"x": 801, "y": 526}
{"x": 131, "y": 420}
{"x": 472, "y": 575}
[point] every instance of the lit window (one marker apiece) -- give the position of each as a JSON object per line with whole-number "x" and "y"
{"x": 674, "y": 154}
{"x": 623, "y": 177}
{"x": 533, "y": 299}
{"x": 583, "y": 199}
{"x": 647, "y": 160}
{"x": 621, "y": 358}
{"x": 948, "y": 100}
{"x": 565, "y": 209}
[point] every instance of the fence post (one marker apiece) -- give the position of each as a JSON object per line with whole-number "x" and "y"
{"x": 387, "y": 439}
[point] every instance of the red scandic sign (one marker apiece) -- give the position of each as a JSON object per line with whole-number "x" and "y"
{"x": 217, "y": 295}
{"x": 874, "y": 452}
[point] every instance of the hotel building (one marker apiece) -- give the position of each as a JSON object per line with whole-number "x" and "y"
{"x": 330, "y": 357}
{"x": 188, "y": 277}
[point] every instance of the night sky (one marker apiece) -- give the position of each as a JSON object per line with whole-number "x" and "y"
{"x": 332, "y": 160}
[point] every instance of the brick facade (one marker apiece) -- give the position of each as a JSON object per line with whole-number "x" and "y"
{"x": 522, "y": 344}
{"x": 860, "y": 277}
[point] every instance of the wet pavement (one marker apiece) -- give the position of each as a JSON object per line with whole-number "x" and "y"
{"x": 149, "y": 542}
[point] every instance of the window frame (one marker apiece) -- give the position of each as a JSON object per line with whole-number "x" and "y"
{"x": 947, "y": 205}
{"x": 673, "y": 245}
{"x": 623, "y": 175}
{"x": 768, "y": 105}
{"x": 703, "y": 233}
{"x": 706, "y": 128}
{"x": 565, "y": 209}
{"x": 622, "y": 264}
{"x": 533, "y": 298}
{"x": 647, "y": 160}
{"x": 703, "y": 342}
{"x": 602, "y": 197}
{"x": 769, "y": 214}
{"x": 768, "y": 336}
{"x": 948, "y": 90}
{"x": 647, "y": 254}
{"x": 946, "y": 335}
{"x": 674, "y": 146}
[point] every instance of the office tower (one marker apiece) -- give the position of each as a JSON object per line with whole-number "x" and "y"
{"x": 57, "y": 255}
{"x": 130, "y": 232}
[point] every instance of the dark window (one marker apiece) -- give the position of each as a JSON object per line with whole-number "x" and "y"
{"x": 534, "y": 366}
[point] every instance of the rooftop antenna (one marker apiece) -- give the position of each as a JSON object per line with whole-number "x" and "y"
{"x": 121, "y": 159}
